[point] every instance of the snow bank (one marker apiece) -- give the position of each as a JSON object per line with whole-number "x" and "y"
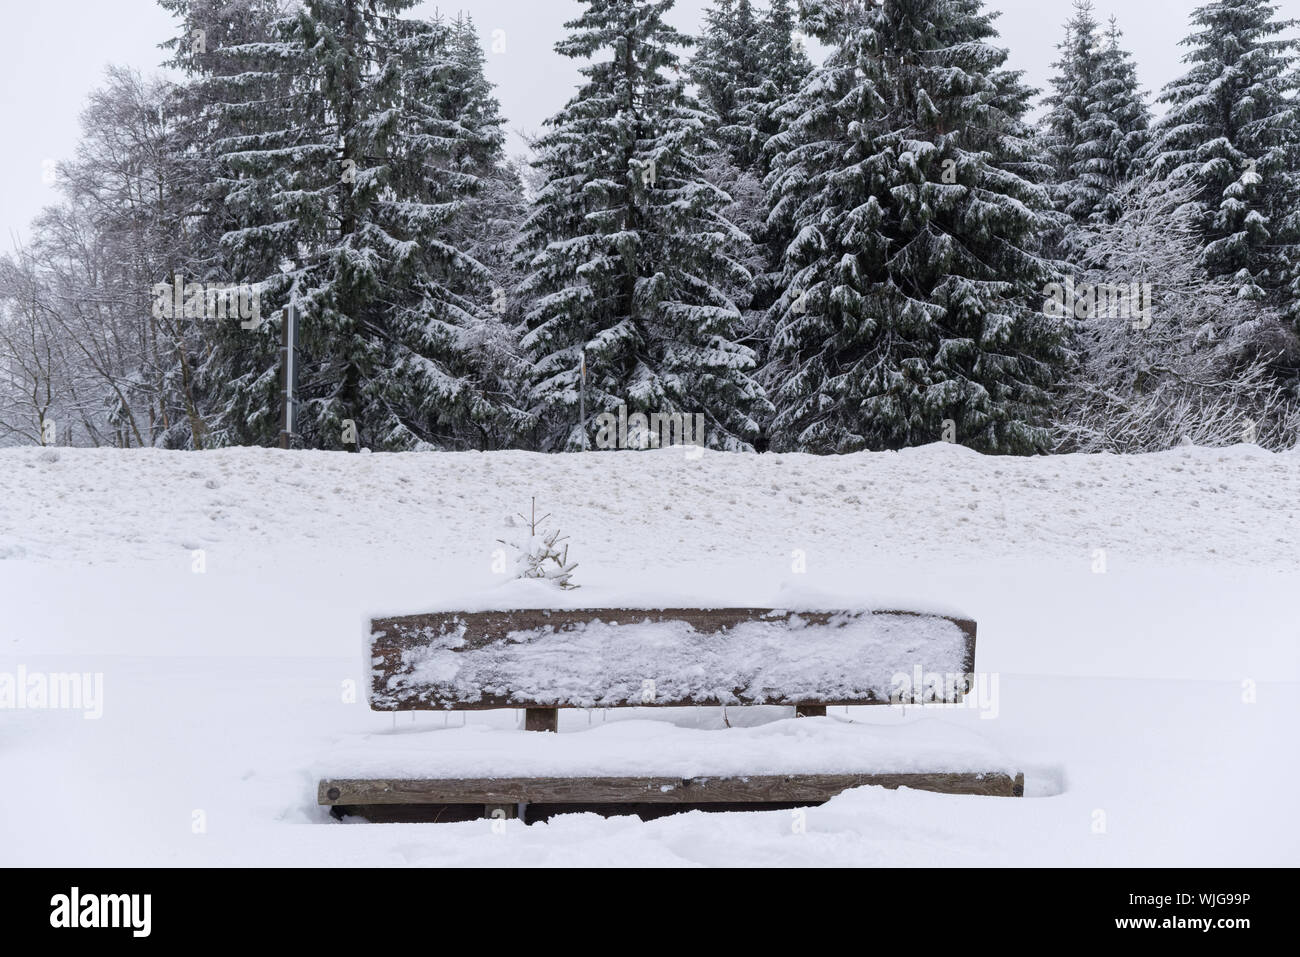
{"x": 625, "y": 512}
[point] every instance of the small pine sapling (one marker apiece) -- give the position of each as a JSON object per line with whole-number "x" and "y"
{"x": 540, "y": 554}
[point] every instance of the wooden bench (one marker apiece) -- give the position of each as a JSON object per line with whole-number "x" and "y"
{"x": 542, "y": 661}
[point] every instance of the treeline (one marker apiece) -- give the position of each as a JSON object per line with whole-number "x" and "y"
{"x": 879, "y": 250}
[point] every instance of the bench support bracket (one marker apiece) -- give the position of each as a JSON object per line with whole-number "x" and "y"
{"x": 541, "y": 719}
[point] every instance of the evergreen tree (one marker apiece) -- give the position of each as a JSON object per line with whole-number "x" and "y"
{"x": 913, "y": 283}
{"x": 487, "y": 227}
{"x": 785, "y": 65}
{"x": 351, "y": 141}
{"x": 235, "y": 97}
{"x": 453, "y": 371}
{"x": 1118, "y": 125}
{"x": 1096, "y": 121}
{"x": 726, "y": 68}
{"x": 1233, "y": 128}
{"x": 1069, "y": 106}
{"x": 627, "y": 254}
{"x": 726, "y": 60}
{"x": 746, "y": 67}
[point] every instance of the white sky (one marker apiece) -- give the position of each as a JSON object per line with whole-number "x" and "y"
{"x": 53, "y": 52}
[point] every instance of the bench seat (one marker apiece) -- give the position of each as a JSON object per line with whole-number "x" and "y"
{"x": 632, "y": 760}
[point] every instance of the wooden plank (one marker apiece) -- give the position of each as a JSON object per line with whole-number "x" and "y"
{"x": 393, "y": 638}
{"x": 762, "y": 788}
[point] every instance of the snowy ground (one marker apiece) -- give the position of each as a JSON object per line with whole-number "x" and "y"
{"x": 1154, "y": 705}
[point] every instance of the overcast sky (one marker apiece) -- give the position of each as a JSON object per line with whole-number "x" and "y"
{"x": 53, "y": 52}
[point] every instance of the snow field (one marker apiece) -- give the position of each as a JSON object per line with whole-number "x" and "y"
{"x": 1156, "y": 684}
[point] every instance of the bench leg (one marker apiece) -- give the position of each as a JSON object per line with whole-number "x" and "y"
{"x": 541, "y": 719}
{"x": 810, "y": 711}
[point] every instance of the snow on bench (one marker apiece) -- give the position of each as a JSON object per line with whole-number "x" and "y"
{"x": 543, "y": 660}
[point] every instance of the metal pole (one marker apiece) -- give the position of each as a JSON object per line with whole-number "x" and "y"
{"x": 288, "y": 343}
{"x": 582, "y": 400}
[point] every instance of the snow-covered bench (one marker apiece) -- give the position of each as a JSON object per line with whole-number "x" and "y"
{"x": 543, "y": 661}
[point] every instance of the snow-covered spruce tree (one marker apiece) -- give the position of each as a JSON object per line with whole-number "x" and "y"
{"x": 345, "y": 190}
{"x": 539, "y": 553}
{"x": 626, "y": 252}
{"x": 746, "y": 66}
{"x": 236, "y": 95}
{"x": 1193, "y": 368}
{"x": 726, "y": 67}
{"x": 1076, "y": 189}
{"x": 487, "y": 226}
{"x": 1233, "y": 128}
{"x": 1119, "y": 124}
{"x": 913, "y": 283}
{"x": 1097, "y": 120}
{"x": 728, "y": 61}
{"x": 454, "y": 374}
{"x": 785, "y": 64}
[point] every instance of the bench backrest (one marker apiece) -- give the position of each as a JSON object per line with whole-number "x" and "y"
{"x": 671, "y": 657}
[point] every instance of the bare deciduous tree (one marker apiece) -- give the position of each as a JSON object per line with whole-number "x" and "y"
{"x": 1202, "y": 368}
